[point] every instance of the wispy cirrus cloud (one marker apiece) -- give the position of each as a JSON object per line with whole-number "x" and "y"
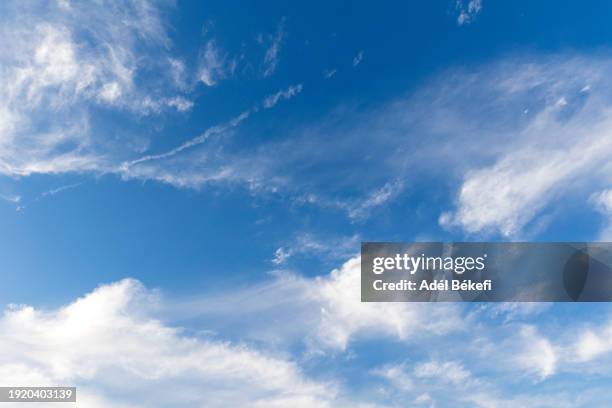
{"x": 559, "y": 145}
{"x": 134, "y": 168}
{"x": 526, "y": 104}
{"x": 358, "y": 58}
{"x": 215, "y": 66}
{"x": 15, "y": 199}
{"x": 271, "y": 100}
{"x": 309, "y": 245}
{"x": 467, "y": 10}
{"x": 544, "y": 116}
{"x": 271, "y": 57}
{"x": 329, "y": 73}
{"x": 60, "y": 60}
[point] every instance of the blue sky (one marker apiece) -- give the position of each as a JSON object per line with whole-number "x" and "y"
{"x": 184, "y": 187}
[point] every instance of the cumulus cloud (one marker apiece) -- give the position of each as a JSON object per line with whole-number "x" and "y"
{"x": 343, "y": 316}
{"x": 116, "y": 345}
{"x": 329, "y": 311}
{"x": 110, "y": 345}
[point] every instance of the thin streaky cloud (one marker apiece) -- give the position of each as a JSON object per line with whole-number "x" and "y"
{"x": 329, "y": 73}
{"x": 271, "y": 57}
{"x": 268, "y": 102}
{"x": 57, "y": 190}
{"x": 271, "y": 100}
{"x": 212, "y": 131}
{"x": 11, "y": 198}
{"x": 358, "y": 58}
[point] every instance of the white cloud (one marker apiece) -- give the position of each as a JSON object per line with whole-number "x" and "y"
{"x": 178, "y": 72}
{"x": 329, "y": 73}
{"x": 181, "y": 104}
{"x": 186, "y": 172}
{"x": 516, "y": 310}
{"x": 214, "y": 66}
{"x": 377, "y": 198}
{"x": 450, "y": 371}
{"x": 510, "y": 193}
{"x": 326, "y": 312}
{"x": 467, "y": 12}
{"x": 536, "y": 354}
{"x": 522, "y": 164}
{"x": 360, "y": 208}
{"x": 150, "y": 105}
{"x": 343, "y": 315}
{"x": 15, "y": 199}
{"x": 397, "y": 375}
{"x": 557, "y": 149}
{"x": 594, "y": 344}
{"x": 114, "y": 346}
{"x": 358, "y": 58}
{"x": 516, "y": 173}
{"x": 450, "y": 383}
{"x": 59, "y": 62}
{"x": 271, "y": 58}
{"x": 271, "y": 100}
{"x": 323, "y": 246}
{"x": 58, "y": 190}
{"x": 602, "y": 200}
{"x": 129, "y": 170}
{"x": 424, "y": 399}
{"x": 280, "y": 256}
{"x": 109, "y": 344}
{"x": 110, "y": 92}
{"x": 482, "y": 399}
